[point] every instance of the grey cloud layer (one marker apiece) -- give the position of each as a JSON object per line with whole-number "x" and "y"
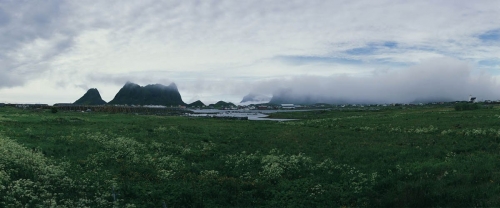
{"x": 443, "y": 79}
{"x": 78, "y": 41}
{"x": 438, "y": 79}
{"x": 31, "y": 34}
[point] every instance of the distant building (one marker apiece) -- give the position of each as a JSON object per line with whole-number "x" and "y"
{"x": 63, "y": 104}
{"x": 472, "y": 99}
{"x": 262, "y": 107}
{"x": 287, "y": 106}
{"x": 31, "y": 105}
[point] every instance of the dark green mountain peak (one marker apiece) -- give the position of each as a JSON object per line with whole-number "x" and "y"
{"x": 154, "y": 94}
{"x": 222, "y": 104}
{"x": 197, "y": 104}
{"x": 131, "y": 85}
{"x": 91, "y": 97}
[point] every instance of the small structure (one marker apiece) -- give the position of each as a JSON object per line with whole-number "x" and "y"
{"x": 262, "y": 107}
{"x": 2, "y": 104}
{"x": 472, "y": 99}
{"x": 63, "y": 104}
{"x": 31, "y": 106}
{"x": 287, "y": 106}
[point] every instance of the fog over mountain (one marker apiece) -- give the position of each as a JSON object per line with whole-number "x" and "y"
{"x": 443, "y": 79}
{"x": 253, "y": 97}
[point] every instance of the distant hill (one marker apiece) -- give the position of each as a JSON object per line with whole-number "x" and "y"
{"x": 91, "y": 97}
{"x": 222, "y": 104}
{"x": 431, "y": 100}
{"x": 157, "y": 94}
{"x": 196, "y": 104}
{"x": 305, "y": 100}
{"x": 252, "y": 97}
{"x": 287, "y": 96}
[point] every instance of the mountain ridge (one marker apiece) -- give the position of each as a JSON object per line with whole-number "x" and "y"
{"x": 253, "y": 97}
{"x": 152, "y": 94}
{"x": 91, "y": 97}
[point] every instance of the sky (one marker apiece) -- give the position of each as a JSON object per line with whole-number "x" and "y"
{"x": 53, "y": 51}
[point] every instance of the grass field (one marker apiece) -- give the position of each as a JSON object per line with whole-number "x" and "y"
{"x": 414, "y": 157}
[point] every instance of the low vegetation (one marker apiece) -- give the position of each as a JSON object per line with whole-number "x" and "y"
{"x": 421, "y": 157}
{"x": 467, "y": 106}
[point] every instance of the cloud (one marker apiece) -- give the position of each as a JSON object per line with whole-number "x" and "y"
{"x": 31, "y": 36}
{"x": 436, "y": 79}
{"x": 71, "y": 43}
{"x": 9, "y": 80}
{"x": 443, "y": 79}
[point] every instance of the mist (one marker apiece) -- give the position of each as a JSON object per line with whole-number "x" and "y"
{"x": 440, "y": 79}
{"x": 433, "y": 80}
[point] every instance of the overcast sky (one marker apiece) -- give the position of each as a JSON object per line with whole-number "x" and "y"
{"x": 53, "y": 51}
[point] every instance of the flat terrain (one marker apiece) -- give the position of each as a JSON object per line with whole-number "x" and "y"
{"x": 419, "y": 157}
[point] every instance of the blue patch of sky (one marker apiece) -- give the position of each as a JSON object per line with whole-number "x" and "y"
{"x": 4, "y": 17}
{"x": 493, "y": 72}
{"x": 455, "y": 54}
{"x": 489, "y": 62}
{"x": 392, "y": 63}
{"x": 369, "y": 49}
{"x": 390, "y": 44}
{"x": 299, "y": 60}
{"x": 372, "y": 48}
{"x": 492, "y": 35}
{"x": 481, "y": 70}
{"x": 488, "y": 65}
{"x": 303, "y": 60}
{"x": 362, "y": 51}
{"x": 421, "y": 48}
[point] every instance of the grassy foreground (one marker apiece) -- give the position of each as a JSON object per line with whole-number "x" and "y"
{"x": 396, "y": 157}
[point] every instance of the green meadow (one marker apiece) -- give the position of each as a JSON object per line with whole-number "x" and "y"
{"x": 394, "y": 157}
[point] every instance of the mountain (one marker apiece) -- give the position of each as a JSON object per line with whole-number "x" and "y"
{"x": 431, "y": 100}
{"x": 196, "y": 104}
{"x": 91, "y": 97}
{"x": 252, "y": 97}
{"x": 284, "y": 99}
{"x": 287, "y": 96}
{"x": 157, "y": 94}
{"x": 222, "y": 104}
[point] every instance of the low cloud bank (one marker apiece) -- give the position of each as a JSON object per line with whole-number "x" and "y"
{"x": 442, "y": 79}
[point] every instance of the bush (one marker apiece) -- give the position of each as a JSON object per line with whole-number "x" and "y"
{"x": 53, "y": 110}
{"x": 467, "y": 106}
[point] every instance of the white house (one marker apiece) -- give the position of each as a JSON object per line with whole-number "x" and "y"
{"x": 287, "y": 106}
{"x": 472, "y": 99}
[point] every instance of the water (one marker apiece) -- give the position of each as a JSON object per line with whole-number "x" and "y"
{"x": 253, "y": 115}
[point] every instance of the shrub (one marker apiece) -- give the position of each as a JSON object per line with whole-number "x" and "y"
{"x": 466, "y": 106}
{"x": 53, "y": 110}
